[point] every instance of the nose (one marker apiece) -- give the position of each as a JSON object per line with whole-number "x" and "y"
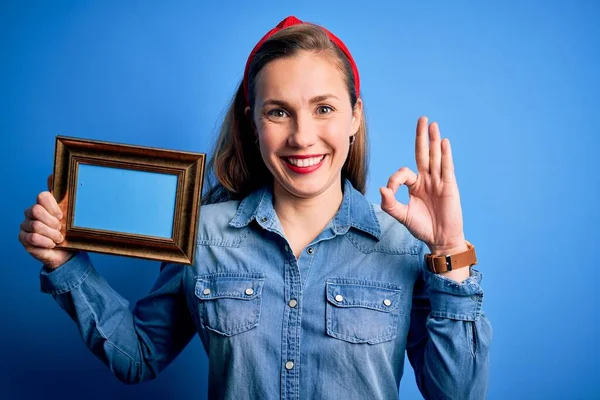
{"x": 303, "y": 133}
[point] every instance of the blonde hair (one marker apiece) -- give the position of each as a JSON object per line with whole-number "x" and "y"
{"x": 236, "y": 167}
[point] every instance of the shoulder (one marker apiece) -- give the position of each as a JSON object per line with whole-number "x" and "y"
{"x": 219, "y": 212}
{"x": 395, "y": 238}
{"x": 213, "y": 225}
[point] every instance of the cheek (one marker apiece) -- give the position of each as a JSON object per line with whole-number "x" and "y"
{"x": 337, "y": 134}
{"x": 271, "y": 137}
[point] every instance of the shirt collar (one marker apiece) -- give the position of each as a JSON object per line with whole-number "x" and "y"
{"x": 355, "y": 211}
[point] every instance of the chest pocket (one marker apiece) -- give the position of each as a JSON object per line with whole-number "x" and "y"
{"x": 361, "y": 311}
{"x": 229, "y": 303}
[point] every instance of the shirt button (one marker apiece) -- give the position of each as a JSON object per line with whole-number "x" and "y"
{"x": 387, "y": 302}
{"x": 206, "y": 291}
{"x": 249, "y": 291}
{"x": 263, "y": 219}
{"x": 310, "y": 250}
{"x": 292, "y": 303}
{"x": 339, "y": 298}
{"x": 289, "y": 365}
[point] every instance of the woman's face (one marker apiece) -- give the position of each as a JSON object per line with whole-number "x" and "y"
{"x": 304, "y": 121}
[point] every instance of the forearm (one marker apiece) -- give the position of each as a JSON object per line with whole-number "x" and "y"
{"x": 455, "y": 359}
{"x": 450, "y": 339}
{"x": 107, "y": 326}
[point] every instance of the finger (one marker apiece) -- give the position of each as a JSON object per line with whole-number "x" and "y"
{"x": 435, "y": 151}
{"x": 404, "y": 176}
{"x": 35, "y": 226}
{"x": 30, "y": 240}
{"x": 38, "y": 212}
{"x": 422, "y": 146}
{"x": 447, "y": 162}
{"x": 393, "y": 207}
{"x": 47, "y": 200}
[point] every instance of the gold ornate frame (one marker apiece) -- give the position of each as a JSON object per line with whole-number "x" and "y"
{"x": 189, "y": 168}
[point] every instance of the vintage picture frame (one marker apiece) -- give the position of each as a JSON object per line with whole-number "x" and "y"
{"x": 189, "y": 168}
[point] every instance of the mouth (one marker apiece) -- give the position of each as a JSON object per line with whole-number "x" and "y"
{"x": 304, "y": 164}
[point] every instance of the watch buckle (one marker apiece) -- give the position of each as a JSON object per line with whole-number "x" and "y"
{"x": 448, "y": 263}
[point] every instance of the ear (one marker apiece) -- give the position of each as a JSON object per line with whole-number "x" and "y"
{"x": 357, "y": 113}
{"x": 248, "y": 113}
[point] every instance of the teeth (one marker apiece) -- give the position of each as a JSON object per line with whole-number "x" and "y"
{"x": 305, "y": 162}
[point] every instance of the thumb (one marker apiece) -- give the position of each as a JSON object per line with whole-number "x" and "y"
{"x": 393, "y": 207}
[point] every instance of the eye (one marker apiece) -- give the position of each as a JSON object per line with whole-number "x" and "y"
{"x": 277, "y": 113}
{"x": 324, "y": 110}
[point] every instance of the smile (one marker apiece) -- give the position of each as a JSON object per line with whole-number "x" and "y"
{"x": 304, "y": 164}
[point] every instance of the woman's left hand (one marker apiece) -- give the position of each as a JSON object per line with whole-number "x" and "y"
{"x": 433, "y": 213}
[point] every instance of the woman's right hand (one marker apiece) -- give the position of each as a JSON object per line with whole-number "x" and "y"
{"x": 40, "y": 232}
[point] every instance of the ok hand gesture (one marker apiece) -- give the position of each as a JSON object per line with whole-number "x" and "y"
{"x": 433, "y": 213}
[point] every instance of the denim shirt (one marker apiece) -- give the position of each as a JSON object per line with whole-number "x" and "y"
{"x": 335, "y": 323}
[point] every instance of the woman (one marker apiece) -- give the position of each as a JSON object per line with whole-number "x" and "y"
{"x": 302, "y": 288}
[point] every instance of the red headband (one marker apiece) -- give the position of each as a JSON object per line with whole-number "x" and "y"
{"x": 290, "y": 21}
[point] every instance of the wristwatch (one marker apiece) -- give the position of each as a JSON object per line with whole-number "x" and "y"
{"x": 439, "y": 264}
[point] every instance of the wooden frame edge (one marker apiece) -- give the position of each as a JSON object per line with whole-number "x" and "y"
{"x": 190, "y": 168}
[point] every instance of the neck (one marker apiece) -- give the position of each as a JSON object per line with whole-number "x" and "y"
{"x": 302, "y": 219}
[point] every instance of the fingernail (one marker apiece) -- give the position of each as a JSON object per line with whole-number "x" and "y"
{"x": 59, "y": 216}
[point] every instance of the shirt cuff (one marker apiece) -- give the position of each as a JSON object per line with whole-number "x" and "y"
{"x": 66, "y": 277}
{"x": 453, "y": 300}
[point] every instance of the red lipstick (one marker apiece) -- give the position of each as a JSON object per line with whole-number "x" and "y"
{"x": 304, "y": 170}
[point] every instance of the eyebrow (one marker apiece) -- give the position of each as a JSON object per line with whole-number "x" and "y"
{"x": 316, "y": 99}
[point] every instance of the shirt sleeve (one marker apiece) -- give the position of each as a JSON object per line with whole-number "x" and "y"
{"x": 449, "y": 336}
{"x": 135, "y": 345}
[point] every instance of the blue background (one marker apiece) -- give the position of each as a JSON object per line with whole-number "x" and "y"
{"x": 514, "y": 85}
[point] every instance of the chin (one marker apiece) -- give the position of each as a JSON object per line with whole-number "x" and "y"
{"x": 309, "y": 188}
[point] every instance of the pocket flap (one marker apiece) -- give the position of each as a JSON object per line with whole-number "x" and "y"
{"x": 228, "y": 285}
{"x": 367, "y": 294}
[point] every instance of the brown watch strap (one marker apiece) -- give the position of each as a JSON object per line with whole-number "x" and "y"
{"x": 439, "y": 264}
